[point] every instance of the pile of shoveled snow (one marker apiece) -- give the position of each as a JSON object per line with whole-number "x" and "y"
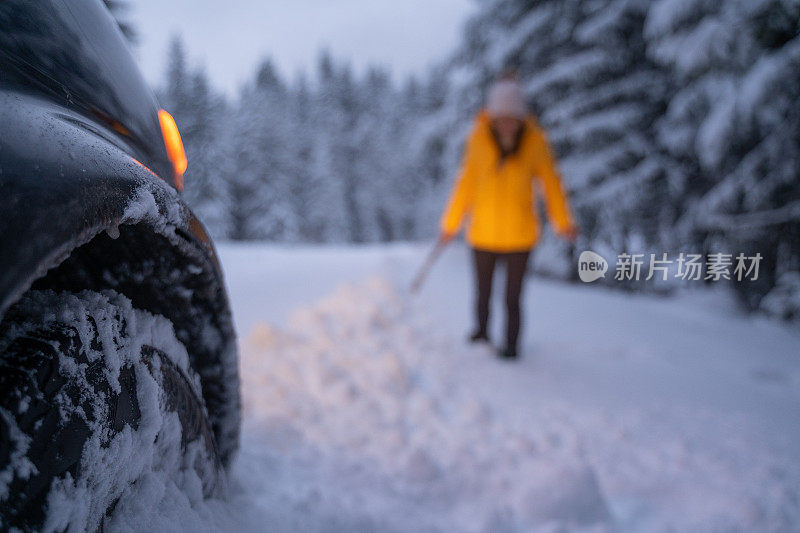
{"x": 346, "y": 407}
{"x": 357, "y": 418}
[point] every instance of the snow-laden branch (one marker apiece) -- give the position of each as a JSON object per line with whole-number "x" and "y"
{"x": 755, "y": 220}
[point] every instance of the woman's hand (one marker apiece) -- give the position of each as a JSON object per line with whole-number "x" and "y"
{"x": 445, "y": 237}
{"x": 571, "y": 233}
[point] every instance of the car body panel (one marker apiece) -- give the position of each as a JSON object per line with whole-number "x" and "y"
{"x": 78, "y": 130}
{"x": 82, "y": 157}
{"x": 62, "y": 181}
{"x": 72, "y": 53}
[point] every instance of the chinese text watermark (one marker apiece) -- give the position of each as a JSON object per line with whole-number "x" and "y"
{"x": 686, "y": 266}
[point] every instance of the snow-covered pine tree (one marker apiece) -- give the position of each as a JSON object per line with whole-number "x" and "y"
{"x": 426, "y": 123}
{"x": 733, "y": 124}
{"x": 373, "y": 141}
{"x": 303, "y": 183}
{"x": 260, "y": 189}
{"x": 175, "y": 96}
{"x": 327, "y": 212}
{"x": 339, "y": 103}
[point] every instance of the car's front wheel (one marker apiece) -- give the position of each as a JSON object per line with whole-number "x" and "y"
{"x": 99, "y": 410}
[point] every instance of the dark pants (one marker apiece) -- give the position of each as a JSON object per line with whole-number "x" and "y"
{"x": 515, "y": 273}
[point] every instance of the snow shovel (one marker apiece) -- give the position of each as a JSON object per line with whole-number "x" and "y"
{"x": 433, "y": 255}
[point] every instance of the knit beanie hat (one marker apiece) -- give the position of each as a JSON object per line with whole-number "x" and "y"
{"x": 506, "y": 99}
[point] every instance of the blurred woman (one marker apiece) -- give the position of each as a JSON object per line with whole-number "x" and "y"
{"x": 506, "y": 151}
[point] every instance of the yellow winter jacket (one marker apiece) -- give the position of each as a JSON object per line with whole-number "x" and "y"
{"x": 499, "y": 198}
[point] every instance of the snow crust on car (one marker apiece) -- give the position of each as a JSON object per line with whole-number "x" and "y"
{"x": 145, "y": 207}
{"x": 162, "y": 268}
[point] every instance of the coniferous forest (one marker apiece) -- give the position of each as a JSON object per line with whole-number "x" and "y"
{"x": 676, "y": 124}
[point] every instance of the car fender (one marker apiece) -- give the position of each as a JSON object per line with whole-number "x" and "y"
{"x": 64, "y": 184}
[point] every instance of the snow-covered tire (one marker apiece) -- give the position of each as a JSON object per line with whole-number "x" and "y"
{"x": 100, "y": 411}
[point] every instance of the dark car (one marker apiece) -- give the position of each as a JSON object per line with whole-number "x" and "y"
{"x": 118, "y": 358}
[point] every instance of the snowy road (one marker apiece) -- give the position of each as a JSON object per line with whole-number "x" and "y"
{"x": 365, "y": 411}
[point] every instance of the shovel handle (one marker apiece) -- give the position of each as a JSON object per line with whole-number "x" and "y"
{"x": 430, "y": 259}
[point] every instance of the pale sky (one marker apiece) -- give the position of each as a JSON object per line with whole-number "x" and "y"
{"x": 231, "y": 36}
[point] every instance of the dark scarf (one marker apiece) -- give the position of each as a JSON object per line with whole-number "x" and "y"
{"x": 505, "y": 154}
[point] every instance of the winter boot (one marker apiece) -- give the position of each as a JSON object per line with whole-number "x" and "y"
{"x": 478, "y": 336}
{"x": 507, "y": 353}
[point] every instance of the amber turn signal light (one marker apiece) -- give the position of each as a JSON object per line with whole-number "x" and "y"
{"x": 174, "y": 145}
